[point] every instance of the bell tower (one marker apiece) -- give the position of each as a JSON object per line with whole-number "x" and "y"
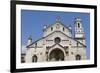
{"x": 79, "y": 31}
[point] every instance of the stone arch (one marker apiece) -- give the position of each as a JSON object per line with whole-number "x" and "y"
{"x": 78, "y": 25}
{"x": 34, "y": 58}
{"x": 78, "y": 57}
{"x": 56, "y": 54}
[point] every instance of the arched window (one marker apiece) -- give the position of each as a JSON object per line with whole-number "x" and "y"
{"x": 63, "y": 29}
{"x": 57, "y": 40}
{"x": 78, "y": 57}
{"x": 34, "y": 58}
{"x": 51, "y": 28}
{"x": 78, "y": 25}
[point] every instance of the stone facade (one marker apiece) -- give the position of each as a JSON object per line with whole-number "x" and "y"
{"x": 58, "y": 44}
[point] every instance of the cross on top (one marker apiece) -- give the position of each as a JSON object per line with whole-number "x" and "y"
{"x": 58, "y": 18}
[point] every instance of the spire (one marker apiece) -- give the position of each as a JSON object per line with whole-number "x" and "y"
{"x": 29, "y": 40}
{"x": 45, "y": 26}
{"x": 30, "y": 37}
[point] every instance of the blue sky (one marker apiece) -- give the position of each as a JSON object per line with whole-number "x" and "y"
{"x": 32, "y": 22}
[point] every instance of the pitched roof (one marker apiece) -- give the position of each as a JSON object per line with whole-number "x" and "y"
{"x": 34, "y": 42}
{"x": 56, "y": 44}
{"x": 54, "y": 32}
{"x": 59, "y": 23}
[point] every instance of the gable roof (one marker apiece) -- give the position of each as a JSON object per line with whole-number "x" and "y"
{"x": 58, "y": 22}
{"x": 56, "y": 44}
{"x": 35, "y": 42}
{"x": 54, "y": 32}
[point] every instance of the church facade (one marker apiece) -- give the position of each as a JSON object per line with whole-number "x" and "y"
{"x": 58, "y": 44}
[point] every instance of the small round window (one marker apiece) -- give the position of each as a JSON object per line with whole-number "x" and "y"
{"x": 57, "y": 40}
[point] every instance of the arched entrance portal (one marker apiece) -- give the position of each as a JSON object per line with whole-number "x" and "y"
{"x": 56, "y": 55}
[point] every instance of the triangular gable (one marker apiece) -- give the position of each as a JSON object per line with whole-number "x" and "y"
{"x": 56, "y": 46}
{"x": 60, "y": 23}
{"x": 61, "y": 33}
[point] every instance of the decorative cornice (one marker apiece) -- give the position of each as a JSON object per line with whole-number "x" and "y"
{"x": 54, "y": 32}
